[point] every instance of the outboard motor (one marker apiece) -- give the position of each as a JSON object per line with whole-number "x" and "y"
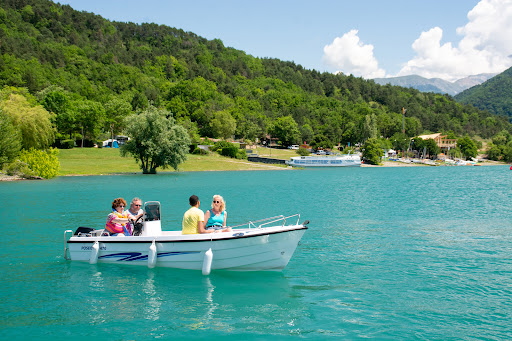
{"x": 152, "y": 222}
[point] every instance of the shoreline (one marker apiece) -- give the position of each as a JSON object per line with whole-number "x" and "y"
{"x": 263, "y": 167}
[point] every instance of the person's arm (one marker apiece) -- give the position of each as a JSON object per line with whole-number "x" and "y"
{"x": 112, "y": 225}
{"x": 226, "y": 229}
{"x": 120, "y": 220}
{"x": 206, "y": 218}
{"x": 225, "y": 219}
{"x": 201, "y": 229}
{"x": 140, "y": 213}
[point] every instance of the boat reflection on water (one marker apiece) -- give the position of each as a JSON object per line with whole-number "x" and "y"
{"x": 184, "y": 298}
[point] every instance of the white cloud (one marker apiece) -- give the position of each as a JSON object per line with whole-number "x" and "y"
{"x": 349, "y": 55}
{"x": 485, "y": 47}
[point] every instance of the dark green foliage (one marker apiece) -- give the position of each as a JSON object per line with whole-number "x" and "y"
{"x": 400, "y": 141}
{"x": 90, "y": 72}
{"x": 432, "y": 148}
{"x": 86, "y": 143}
{"x": 321, "y": 142}
{"x": 10, "y": 140}
{"x": 426, "y": 147}
{"x": 199, "y": 151}
{"x": 372, "y": 151}
{"x": 286, "y": 130}
{"x": 302, "y": 151}
{"x": 497, "y": 150}
{"x": 493, "y": 95}
{"x": 222, "y": 144}
{"x": 241, "y": 154}
{"x": 67, "y": 144}
{"x": 231, "y": 151}
{"x": 494, "y": 152}
{"x": 467, "y": 147}
{"x": 507, "y": 152}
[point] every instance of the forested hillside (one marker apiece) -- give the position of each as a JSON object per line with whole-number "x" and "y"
{"x": 90, "y": 73}
{"x": 495, "y": 95}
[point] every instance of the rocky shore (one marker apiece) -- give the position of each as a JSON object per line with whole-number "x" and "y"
{"x": 5, "y": 177}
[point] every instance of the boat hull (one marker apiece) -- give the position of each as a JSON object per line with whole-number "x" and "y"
{"x": 325, "y": 161}
{"x": 254, "y": 249}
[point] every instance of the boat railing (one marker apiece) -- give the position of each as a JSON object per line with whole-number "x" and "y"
{"x": 266, "y": 221}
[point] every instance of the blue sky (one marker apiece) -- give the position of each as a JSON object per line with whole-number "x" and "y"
{"x": 447, "y": 39}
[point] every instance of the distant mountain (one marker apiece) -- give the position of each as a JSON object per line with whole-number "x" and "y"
{"x": 495, "y": 95}
{"x": 436, "y": 84}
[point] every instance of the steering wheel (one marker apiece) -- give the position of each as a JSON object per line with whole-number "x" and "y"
{"x": 139, "y": 219}
{"x": 137, "y": 226}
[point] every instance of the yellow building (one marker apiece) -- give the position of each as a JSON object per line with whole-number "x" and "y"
{"x": 441, "y": 141}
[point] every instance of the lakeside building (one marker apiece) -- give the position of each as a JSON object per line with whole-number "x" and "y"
{"x": 442, "y": 142}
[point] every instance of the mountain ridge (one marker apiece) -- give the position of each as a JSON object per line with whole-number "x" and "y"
{"x": 494, "y": 95}
{"x": 436, "y": 85}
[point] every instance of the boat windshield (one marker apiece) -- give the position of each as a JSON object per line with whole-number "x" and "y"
{"x": 151, "y": 211}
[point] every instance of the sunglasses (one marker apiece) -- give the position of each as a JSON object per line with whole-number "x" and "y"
{"x": 137, "y": 205}
{"x": 216, "y": 202}
{"x": 120, "y": 206}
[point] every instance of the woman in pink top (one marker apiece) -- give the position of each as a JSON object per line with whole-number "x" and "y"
{"x": 118, "y": 220}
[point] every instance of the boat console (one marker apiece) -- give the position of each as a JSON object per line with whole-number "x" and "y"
{"x": 152, "y": 225}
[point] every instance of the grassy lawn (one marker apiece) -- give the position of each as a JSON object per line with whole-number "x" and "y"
{"x": 97, "y": 161}
{"x": 284, "y": 154}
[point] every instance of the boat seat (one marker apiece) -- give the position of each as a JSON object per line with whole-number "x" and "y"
{"x": 83, "y": 230}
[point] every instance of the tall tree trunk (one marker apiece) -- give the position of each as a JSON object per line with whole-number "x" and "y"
{"x": 112, "y": 133}
{"x": 82, "y": 137}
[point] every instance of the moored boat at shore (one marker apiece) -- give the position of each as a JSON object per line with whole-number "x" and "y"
{"x": 345, "y": 160}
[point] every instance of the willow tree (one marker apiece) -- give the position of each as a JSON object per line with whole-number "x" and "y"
{"x": 31, "y": 120}
{"x": 156, "y": 140}
{"x": 10, "y": 140}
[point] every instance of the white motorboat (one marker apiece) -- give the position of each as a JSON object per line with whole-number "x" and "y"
{"x": 345, "y": 160}
{"x": 266, "y": 244}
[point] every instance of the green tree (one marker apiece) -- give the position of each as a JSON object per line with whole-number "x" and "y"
{"x": 116, "y": 110}
{"x": 432, "y": 148}
{"x": 286, "y": 130}
{"x": 370, "y": 129}
{"x": 306, "y": 133}
{"x": 32, "y": 120}
{"x": 192, "y": 130}
{"x": 507, "y": 152}
{"x": 223, "y": 124}
{"x": 302, "y": 151}
{"x": 502, "y": 138}
{"x": 58, "y": 102}
{"x": 467, "y": 147}
{"x": 90, "y": 116}
{"x": 419, "y": 145}
{"x": 156, "y": 141}
{"x": 400, "y": 141}
{"x": 10, "y": 140}
{"x": 372, "y": 152}
{"x": 321, "y": 141}
{"x": 494, "y": 152}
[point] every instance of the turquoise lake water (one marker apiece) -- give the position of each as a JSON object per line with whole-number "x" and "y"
{"x": 390, "y": 253}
